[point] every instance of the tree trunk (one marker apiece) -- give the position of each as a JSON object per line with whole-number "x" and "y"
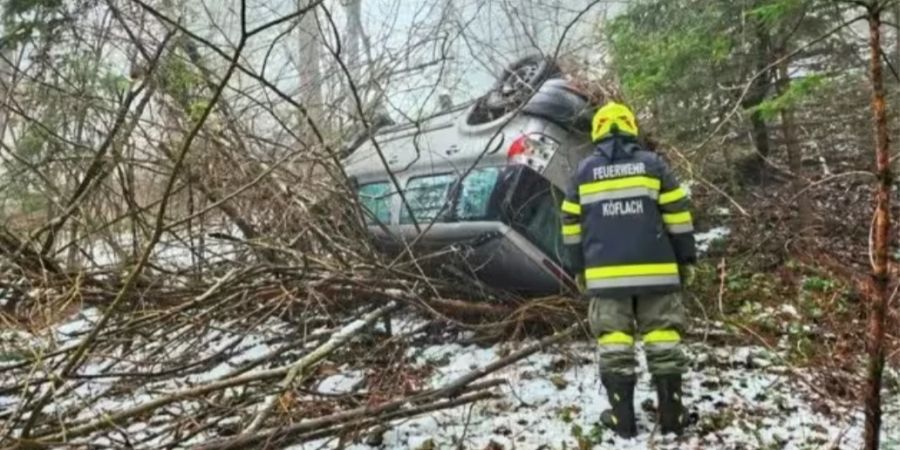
{"x": 757, "y": 93}
{"x": 359, "y": 56}
{"x": 7, "y": 83}
{"x": 353, "y": 58}
{"x": 450, "y": 74}
{"x": 310, "y": 72}
{"x": 788, "y": 132}
{"x": 353, "y": 38}
{"x": 881, "y": 237}
{"x": 897, "y": 42}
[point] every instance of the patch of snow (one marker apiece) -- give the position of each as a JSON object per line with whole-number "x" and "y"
{"x": 434, "y": 354}
{"x": 344, "y": 382}
{"x": 255, "y": 351}
{"x": 742, "y": 394}
{"x": 83, "y": 323}
{"x": 403, "y": 323}
{"x": 790, "y": 310}
{"x": 169, "y": 252}
{"x": 707, "y": 238}
{"x": 741, "y": 405}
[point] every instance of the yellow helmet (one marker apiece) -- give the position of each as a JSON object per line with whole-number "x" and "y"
{"x": 612, "y": 115}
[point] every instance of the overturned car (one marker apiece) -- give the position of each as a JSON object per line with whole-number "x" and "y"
{"x": 482, "y": 184}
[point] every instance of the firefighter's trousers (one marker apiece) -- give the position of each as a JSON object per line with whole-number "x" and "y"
{"x": 658, "y": 320}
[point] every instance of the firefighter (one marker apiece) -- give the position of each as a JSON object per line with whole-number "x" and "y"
{"x": 629, "y": 221}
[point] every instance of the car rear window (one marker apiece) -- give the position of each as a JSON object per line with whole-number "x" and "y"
{"x": 531, "y": 209}
{"x": 427, "y": 197}
{"x": 376, "y": 199}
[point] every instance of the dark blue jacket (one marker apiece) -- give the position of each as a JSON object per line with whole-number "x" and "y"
{"x": 630, "y": 221}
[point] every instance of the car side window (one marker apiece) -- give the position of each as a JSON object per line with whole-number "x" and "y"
{"x": 475, "y": 193}
{"x": 428, "y": 197}
{"x": 376, "y": 199}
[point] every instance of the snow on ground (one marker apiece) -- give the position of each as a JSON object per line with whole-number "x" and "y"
{"x": 342, "y": 383}
{"x": 744, "y": 398}
{"x": 706, "y": 238}
{"x": 81, "y": 401}
{"x": 80, "y": 324}
{"x": 170, "y": 252}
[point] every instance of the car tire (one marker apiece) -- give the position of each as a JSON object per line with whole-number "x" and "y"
{"x": 517, "y": 83}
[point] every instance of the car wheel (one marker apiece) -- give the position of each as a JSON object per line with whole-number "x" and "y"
{"x": 517, "y": 83}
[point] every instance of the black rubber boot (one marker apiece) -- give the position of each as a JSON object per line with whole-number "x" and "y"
{"x": 672, "y": 417}
{"x": 620, "y": 391}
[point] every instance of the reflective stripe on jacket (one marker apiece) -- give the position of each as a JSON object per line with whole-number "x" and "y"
{"x": 630, "y": 218}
